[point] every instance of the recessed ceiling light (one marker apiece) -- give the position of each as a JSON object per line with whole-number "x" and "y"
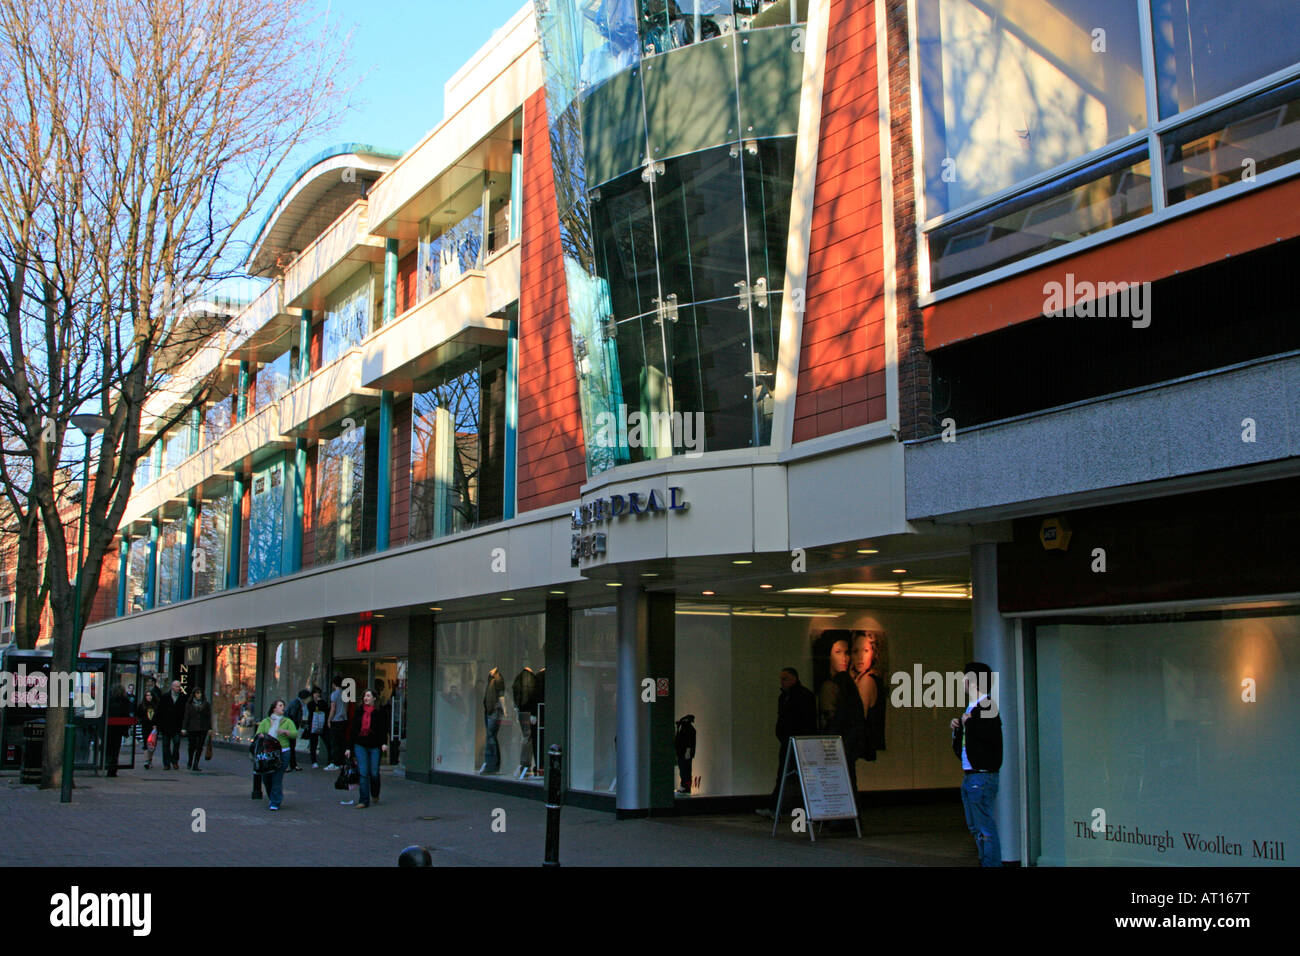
{"x": 765, "y": 587}
{"x": 649, "y": 574}
{"x": 868, "y": 551}
{"x": 742, "y": 561}
{"x": 331, "y": 621}
{"x": 900, "y": 570}
{"x": 556, "y": 592}
{"x": 708, "y": 593}
{"x": 379, "y": 615}
{"x": 507, "y": 599}
{"x": 435, "y": 609}
{"x": 613, "y": 584}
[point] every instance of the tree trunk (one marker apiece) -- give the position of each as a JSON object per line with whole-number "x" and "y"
{"x": 57, "y": 711}
{"x": 29, "y": 596}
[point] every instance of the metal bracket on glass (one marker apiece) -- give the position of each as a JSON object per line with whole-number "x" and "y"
{"x": 651, "y": 170}
{"x": 667, "y": 308}
{"x": 610, "y": 325}
{"x": 594, "y": 195}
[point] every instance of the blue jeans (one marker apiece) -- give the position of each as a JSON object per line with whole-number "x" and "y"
{"x": 368, "y": 765}
{"x": 275, "y": 781}
{"x": 491, "y": 750}
{"x": 979, "y": 793}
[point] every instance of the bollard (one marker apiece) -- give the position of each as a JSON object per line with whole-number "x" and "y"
{"x": 553, "y": 763}
{"x": 415, "y": 856}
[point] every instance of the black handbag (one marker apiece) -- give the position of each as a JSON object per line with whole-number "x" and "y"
{"x": 341, "y": 781}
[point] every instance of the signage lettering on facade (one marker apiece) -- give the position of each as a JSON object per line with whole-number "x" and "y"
{"x": 587, "y": 543}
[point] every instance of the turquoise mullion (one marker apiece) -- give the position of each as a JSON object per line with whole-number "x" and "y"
{"x": 151, "y": 568}
{"x": 187, "y": 563}
{"x": 516, "y": 187}
{"x": 241, "y": 399}
{"x": 390, "y": 281}
{"x": 297, "y": 519}
{"x": 236, "y": 531}
{"x": 123, "y": 568}
{"x": 512, "y": 419}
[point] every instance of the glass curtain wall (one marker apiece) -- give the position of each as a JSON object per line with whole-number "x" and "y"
{"x": 137, "y": 574}
{"x": 340, "y": 508}
{"x": 274, "y": 378}
{"x": 674, "y": 214}
{"x": 452, "y": 239}
{"x": 171, "y": 557}
{"x": 458, "y": 446}
{"x": 477, "y": 714}
{"x": 217, "y": 417}
{"x": 212, "y": 533}
{"x": 266, "y": 520}
{"x": 347, "y": 316}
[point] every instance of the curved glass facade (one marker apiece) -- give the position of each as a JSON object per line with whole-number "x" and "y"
{"x": 672, "y": 142}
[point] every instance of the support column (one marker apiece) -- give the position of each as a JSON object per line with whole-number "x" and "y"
{"x": 383, "y": 487}
{"x": 557, "y": 680}
{"x": 292, "y": 558}
{"x": 123, "y": 568}
{"x": 151, "y": 571}
{"x": 633, "y": 713}
{"x": 994, "y": 644}
{"x": 187, "y": 564}
{"x": 390, "y": 281}
{"x": 196, "y": 427}
{"x": 516, "y": 187}
{"x": 661, "y": 618}
{"x": 234, "y": 559}
{"x": 421, "y": 680}
{"x": 241, "y": 397}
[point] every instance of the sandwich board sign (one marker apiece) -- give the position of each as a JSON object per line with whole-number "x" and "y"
{"x": 823, "y": 773}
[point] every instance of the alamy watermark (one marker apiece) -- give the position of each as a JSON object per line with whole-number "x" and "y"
{"x": 947, "y": 690}
{"x": 37, "y": 689}
{"x": 637, "y": 429}
{"x": 1098, "y": 300}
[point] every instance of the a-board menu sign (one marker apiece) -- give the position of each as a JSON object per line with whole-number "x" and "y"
{"x": 823, "y": 773}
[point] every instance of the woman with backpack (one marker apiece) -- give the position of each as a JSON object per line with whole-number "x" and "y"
{"x": 147, "y": 712}
{"x": 281, "y": 728}
{"x": 369, "y": 739}
{"x": 195, "y": 726}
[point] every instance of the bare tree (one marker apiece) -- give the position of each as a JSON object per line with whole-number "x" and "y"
{"x": 136, "y": 138}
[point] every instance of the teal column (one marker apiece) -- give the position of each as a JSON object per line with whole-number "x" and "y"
{"x": 151, "y": 571}
{"x": 196, "y": 426}
{"x": 383, "y": 488}
{"x": 390, "y": 281}
{"x": 187, "y": 563}
{"x": 156, "y": 459}
{"x": 236, "y": 531}
{"x": 516, "y": 187}
{"x": 123, "y": 568}
{"x": 304, "y": 345}
{"x": 241, "y": 396}
{"x": 293, "y": 540}
{"x": 512, "y": 419}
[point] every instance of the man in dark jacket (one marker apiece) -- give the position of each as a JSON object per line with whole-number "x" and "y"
{"x": 171, "y": 714}
{"x": 977, "y": 742}
{"x": 796, "y": 716}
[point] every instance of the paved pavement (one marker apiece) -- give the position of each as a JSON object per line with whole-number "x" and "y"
{"x": 127, "y": 820}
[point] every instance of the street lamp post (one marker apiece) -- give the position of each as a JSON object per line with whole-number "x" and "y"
{"x": 90, "y": 425}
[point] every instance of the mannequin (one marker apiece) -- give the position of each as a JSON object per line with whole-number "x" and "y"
{"x": 684, "y": 742}
{"x": 494, "y": 708}
{"x": 525, "y": 694}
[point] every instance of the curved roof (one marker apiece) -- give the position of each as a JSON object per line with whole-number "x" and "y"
{"x": 315, "y": 196}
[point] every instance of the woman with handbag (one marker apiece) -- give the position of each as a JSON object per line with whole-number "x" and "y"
{"x": 147, "y": 712}
{"x": 277, "y": 725}
{"x": 369, "y": 739}
{"x": 195, "y": 726}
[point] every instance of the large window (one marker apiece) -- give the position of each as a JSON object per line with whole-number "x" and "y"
{"x": 292, "y": 665}
{"x": 1012, "y": 91}
{"x": 217, "y": 417}
{"x": 266, "y": 520}
{"x": 593, "y": 713}
{"x": 171, "y": 560}
{"x": 137, "y": 575}
{"x": 458, "y": 446}
{"x": 451, "y": 240}
{"x": 273, "y": 380}
{"x": 347, "y": 316}
{"x": 340, "y": 518}
{"x": 1168, "y": 726}
{"x": 476, "y": 717}
{"x": 212, "y": 536}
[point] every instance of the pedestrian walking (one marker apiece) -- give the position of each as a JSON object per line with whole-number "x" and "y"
{"x": 295, "y": 712}
{"x": 369, "y": 740}
{"x": 317, "y": 711}
{"x": 796, "y": 716}
{"x": 171, "y": 714}
{"x": 196, "y": 727}
{"x": 147, "y": 714}
{"x": 277, "y": 725}
{"x": 119, "y": 713}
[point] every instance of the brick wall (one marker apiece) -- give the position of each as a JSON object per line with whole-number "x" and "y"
{"x": 842, "y": 351}
{"x": 913, "y": 362}
{"x": 550, "y": 450}
{"x": 400, "y": 502}
{"x": 105, "y": 604}
{"x": 406, "y": 282}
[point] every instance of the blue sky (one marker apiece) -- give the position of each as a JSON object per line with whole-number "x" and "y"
{"x": 403, "y": 51}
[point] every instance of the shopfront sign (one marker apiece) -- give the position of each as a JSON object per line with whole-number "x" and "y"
{"x": 592, "y": 521}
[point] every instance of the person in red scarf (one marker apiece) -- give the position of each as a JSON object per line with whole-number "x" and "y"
{"x": 369, "y": 740}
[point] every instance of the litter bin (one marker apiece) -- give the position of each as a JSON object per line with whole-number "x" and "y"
{"x": 33, "y": 745}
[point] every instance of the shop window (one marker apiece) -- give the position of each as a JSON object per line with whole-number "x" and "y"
{"x": 477, "y": 721}
{"x": 347, "y": 317}
{"x": 1170, "y": 726}
{"x": 458, "y": 447}
{"x": 593, "y": 714}
{"x": 266, "y": 520}
{"x": 292, "y": 665}
{"x": 137, "y": 575}
{"x": 234, "y": 691}
{"x": 171, "y": 558}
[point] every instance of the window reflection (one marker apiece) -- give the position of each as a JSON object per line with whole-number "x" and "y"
{"x": 451, "y": 240}
{"x": 266, "y": 522}
{"x": 212, "y": 534}
{"x": 340, "y": 483}
{"x": 347, "y": 318}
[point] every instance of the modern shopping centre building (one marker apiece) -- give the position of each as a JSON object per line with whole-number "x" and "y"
{"x": 698, "y": 335}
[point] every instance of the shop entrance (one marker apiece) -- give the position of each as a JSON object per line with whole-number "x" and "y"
{"x": 386, "y": 676}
